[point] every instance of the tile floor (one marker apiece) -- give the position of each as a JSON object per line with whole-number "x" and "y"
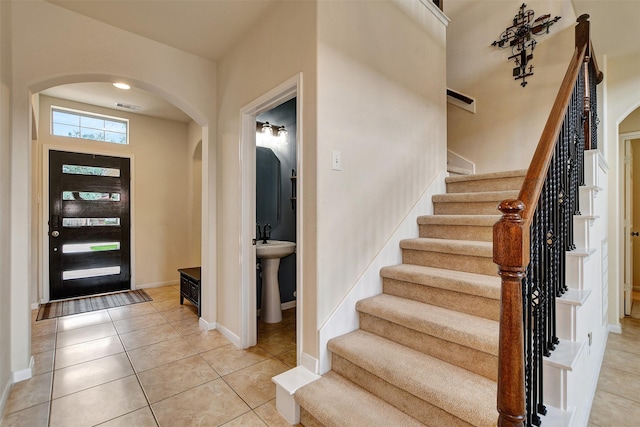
{"x": 149, "y": 364}
{"x": 617, "y": 399}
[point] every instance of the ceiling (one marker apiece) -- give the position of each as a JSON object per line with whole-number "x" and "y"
{"x": 210, "y": 28}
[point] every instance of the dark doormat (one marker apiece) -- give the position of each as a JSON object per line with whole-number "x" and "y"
{"x": 86, "y": 304}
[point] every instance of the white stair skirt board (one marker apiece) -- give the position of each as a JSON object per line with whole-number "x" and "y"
{"x": 24, "y": 374}
{"x": 287, "y": 383}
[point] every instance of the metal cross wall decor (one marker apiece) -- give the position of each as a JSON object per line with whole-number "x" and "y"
{"x": 519, "y": 37}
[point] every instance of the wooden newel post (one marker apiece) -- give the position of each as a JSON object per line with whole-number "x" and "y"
{"x": 511, "y": 253}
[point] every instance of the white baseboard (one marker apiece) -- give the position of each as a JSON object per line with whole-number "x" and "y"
{"x": 309, "y": 362}
{"x": 24, "y": 374}
{"x": 287, "y": 305}
{"x": 156, "y": 284}
{"x": 617, "y": 328}
{"x": 35, "y": 306}
{"x": 235, "y": 340}
{"x": 344, "y": 318}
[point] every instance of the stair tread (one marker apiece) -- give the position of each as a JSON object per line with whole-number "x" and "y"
{"x": 480, "y": 196}
{"x": 460, "y": 328}
{"x": 481, "y": 220}
{"x": 458, "y": 281}
{"x": 490, "y": 175}
{"x": 334, "y": 400}
{"x": 426, "y": 377}
{"x": 460, "y": 247}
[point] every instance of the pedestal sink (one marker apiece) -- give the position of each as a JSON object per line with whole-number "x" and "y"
{"x": 270, "y": 254}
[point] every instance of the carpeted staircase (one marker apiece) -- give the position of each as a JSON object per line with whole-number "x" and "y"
{"x": 426, "y": 352}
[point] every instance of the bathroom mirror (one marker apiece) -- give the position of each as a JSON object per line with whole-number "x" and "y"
{"x": 267, "y": 187}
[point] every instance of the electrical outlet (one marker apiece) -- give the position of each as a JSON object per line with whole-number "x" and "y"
{"x": 336, "y": 161}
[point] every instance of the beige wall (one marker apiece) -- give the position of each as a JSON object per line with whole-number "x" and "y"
{"x": 280, "y": 46}
{"x": 53, "y": 46}
{"x": 509, "y": 119}
{"x": 159, "y": 213}
{"x": 194, "y": 191}
{"x": 381, "y": 103}
{"x": 5, "y": 224}
{"x": 635, "y": 146}
{"x": 621, "y": 98}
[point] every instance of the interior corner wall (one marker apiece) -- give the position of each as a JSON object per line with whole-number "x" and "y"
{"x": 382, "y": 106}
{"x": 51, "y": 46}
{"x": 509, "y": 119}
{"x": 5, "y": 201}
{"x": 278, "y": 47}
{"x": 159, "y": 186}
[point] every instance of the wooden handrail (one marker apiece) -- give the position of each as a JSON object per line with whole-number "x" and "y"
{"x": 511, "y": 240}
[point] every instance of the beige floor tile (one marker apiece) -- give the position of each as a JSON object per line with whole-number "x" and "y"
{"x": 98, "y": 404}
{"x": 253, "y": 384}
{"x": 248, "y": 419}
{"x": 89, "y": 374}
{"x": 270, "y": 415}
{"x": 229, "y": 358}
{"x": 210, "y": 404}
{"x": 611, "y": 410}
{"x": 133, "y": 310}
{"x": 207, "y": 340}
{"x": 79, "y": 353}
{"x": 44, "y": 327}
{"x": 289, "y": 358}
{"x": 159, "y": 290}
{"x": 148, "y": 336}
{"x": 154, "y": 355}
{"x": 185, "y": 311}
{"x": 83, "y": 320}
{"x": 43, "y": 362}
{"x": 170, "y": 295}
{"x": 623, "y": 360}
{"x": 88, "y": 333}
{"x": 176, "y": 377}
{"x": 35, "y": 416}
{"x": 278, "y": 342}
{"x": 188, "y": 326}
{"x": 43, "y": 343}
{"x": 28, "y": 393}
{"x": 139, "y": 322}
{"x": 166, "y": 305}
{"x": 140, "y": 418}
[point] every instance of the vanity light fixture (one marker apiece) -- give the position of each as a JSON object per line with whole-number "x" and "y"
{"x": 282, "y": 135}
{"x": 267, "y": 129}
{"x": 122, "y": 86}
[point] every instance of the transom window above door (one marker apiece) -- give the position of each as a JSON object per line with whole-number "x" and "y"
{"x": 84, "y": 125}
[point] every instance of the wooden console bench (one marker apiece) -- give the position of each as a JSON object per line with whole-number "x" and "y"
{"x": 190, "y": 286}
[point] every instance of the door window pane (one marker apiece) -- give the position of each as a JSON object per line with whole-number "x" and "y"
{"x": 90, "y": 196}
{"x": 90, "y": 222}
{"x": 90, "y": 272}
{"x": 76, "y": 248}
{"x": 90, "y": 170}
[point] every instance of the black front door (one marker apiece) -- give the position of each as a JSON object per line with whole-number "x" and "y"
{"x": 89, "y": 226}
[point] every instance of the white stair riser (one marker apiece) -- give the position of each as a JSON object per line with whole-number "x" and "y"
{"x": 591, "y": 176}
{"x": 587, "y": 200}
{"x": 582, "y": 231}
{"x": 578, "y": 269}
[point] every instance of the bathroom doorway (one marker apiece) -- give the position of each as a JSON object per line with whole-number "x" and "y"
{"x": 280, "y": 107}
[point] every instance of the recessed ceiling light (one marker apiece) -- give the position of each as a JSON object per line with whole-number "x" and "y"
{"x": 122, "y": 86}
